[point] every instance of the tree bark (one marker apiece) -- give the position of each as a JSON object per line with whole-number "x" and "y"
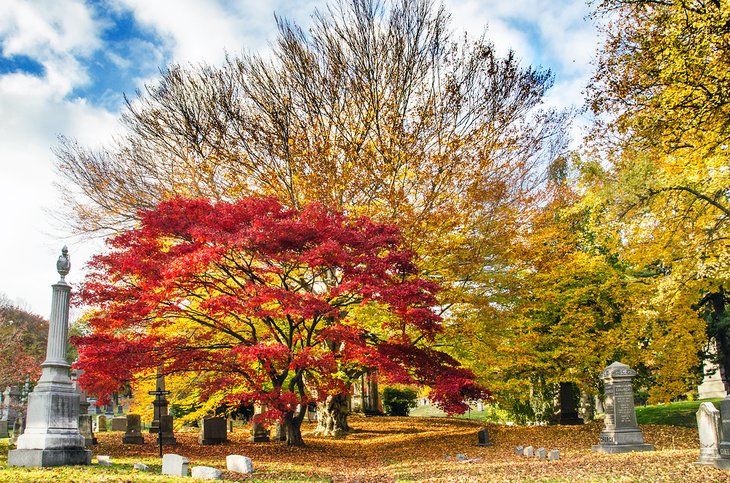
{"x": 332, "y": 416}
{"x": 293, "y": 427}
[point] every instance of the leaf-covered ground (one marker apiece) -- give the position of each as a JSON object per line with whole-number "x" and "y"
{"x": 410, "y": 449}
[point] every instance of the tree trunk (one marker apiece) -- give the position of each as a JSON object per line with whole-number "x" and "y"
{"x": 332, "y": 416}
{"x": 293, "y": 428}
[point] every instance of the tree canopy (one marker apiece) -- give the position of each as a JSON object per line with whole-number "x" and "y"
{"x": 265, "y": 303}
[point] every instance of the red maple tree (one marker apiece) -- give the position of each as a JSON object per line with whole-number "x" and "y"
{"x": 262, "y": 300}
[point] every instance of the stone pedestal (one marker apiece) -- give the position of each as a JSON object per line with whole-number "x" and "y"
{"x": 51, "y": 436}
{"x": 621, "y": 433}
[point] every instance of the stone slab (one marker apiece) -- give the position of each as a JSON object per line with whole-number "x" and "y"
{"x": 621, "y": 448}
{"x": 119, "y": 423}
{"x": 174, "y": 464}
{"x": 239, "y": 464}
{"x": 48, "y": 457}
{"x": 205, "y": 473}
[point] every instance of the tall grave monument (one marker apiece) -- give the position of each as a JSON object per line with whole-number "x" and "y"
{"x": 51, "y": 436}
{"x": 621, "y": 433}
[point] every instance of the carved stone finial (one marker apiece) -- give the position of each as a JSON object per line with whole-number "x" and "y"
{"x": 63, "y": 265}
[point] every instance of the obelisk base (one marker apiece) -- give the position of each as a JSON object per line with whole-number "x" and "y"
{"x": 48, "y": 457}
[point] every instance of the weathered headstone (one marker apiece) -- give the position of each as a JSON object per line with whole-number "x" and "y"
{"x": 460, "y": 457}
{"x": 528, "y": 451}
{"x": 11, "y": 402}
{"x": 541, "y": 453}
{"x": 483, "y": 437}
{"x": 141, "y": 467}
{"x": 724, "y": 446}
{"x": 280, "y": 432}
{"x": 100, "y": 423}
{"x": 174, "y": 464}
{"x": 166, "y": 430}
{"x": 18, "y": 428}
{"x": 710, "y": 432}
{"x": 213, "y": 431}
{"x": 480, "y": 406}
{"x": 86, "y": 430}
{"x": 259, "y": 433}
{"x": 621, "y": 433}
{"x": 119, "y": 423}
{"x": 133, "y": 434}
{"x": 104, "y": 460}
{"x": 239, "y": 464}
{"x": 4, "y": 429}
{"x": 51, "y": 436}
{"x": 519, "y": 450}
{"x": 553, "y": 455}
{"x": 205, "y": 473}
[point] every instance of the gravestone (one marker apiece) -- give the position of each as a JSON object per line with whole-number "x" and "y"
{"x": 166, "y": 430}
{"x": 621, "y": 433}
{"x": 119, "y": 423}
{"x": 159, "y": 403}
{"x": 100, "y": 424}
{"x": 18, "y": 428}
{"x": 483, "y": 437}
{"x": 141, "y": 467}
{"x": 104, "y": 460}
{"x": 553, "y": 455}
{"x": 213, "y": 431}
{"x": 174, "y": 464}
{"x": 239, "y": 464}
{"x": 205, "y": 473}
{"x": 528, "y": 451}
{"x": 541, "y": 453}
{"x": 230, "y": 425}
{"x": 51, "y": 436}
{"x": 569, "y": 404}
{"x": 724, "y": 446}
{"x": 519, "y": 450}
{"x": 708, "y": 426}
{"x": 133, "y": 434}
{"x": 480, "y": 406}
{"x": 86, "y": 430}
{"x": 11, "y": 402}
{"x": 4, "y": 429}
{"x": 259, "y": 433}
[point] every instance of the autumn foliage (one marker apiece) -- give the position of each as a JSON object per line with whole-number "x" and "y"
{"x": 266, "y": 305}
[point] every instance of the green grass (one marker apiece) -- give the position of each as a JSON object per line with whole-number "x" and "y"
{"x": 682, "y": 413}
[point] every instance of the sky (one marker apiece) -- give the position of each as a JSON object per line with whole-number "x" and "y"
{"x": 65, "y": 66}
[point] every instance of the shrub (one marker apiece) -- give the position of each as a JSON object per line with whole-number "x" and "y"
{"x": 398, "y": 402}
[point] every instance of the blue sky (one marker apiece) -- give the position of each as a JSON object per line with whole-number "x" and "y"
{"x": 65, "y": 66}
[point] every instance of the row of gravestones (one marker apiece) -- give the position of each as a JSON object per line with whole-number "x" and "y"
{"x": 212, "y": 430}
{"x": 176, "y": 465}
{"x": 539, "y": 453}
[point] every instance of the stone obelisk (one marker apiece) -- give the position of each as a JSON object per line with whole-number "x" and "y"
{"x": 51, "y": 436}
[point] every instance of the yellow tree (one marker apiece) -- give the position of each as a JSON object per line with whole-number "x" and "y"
{"x": 660, "y": 88}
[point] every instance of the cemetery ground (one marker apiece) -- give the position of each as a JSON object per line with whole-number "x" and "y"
{"x": 404, "y": 449}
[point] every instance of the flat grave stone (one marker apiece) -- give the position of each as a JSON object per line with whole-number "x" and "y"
{"x": 529, "y": 451}
{"x": 239, "y": 464}
{"x": 174, "y": 465}
{"x": 141, "y": 467}
{"x": 541, "y": 453}
{"x": 104, "y": 460}
{"x": 553, "y": 455}
{"x": 205, "y": 473}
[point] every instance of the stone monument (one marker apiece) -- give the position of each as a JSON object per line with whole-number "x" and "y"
{"x": 708, "y": 425}
{"x": 568, "y": 407}
{"x": 51, "y": 436}
{"x": 159, "y": 403}
{"x": 620, "y": 432}
{"x": 133, "y": 433}
{"x": 213, "y": 431}
{"x": 724, "y": 446}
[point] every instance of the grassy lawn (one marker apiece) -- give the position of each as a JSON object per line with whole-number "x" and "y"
{"x": 681, "y": 413}
{"x": 409, "y": 450}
